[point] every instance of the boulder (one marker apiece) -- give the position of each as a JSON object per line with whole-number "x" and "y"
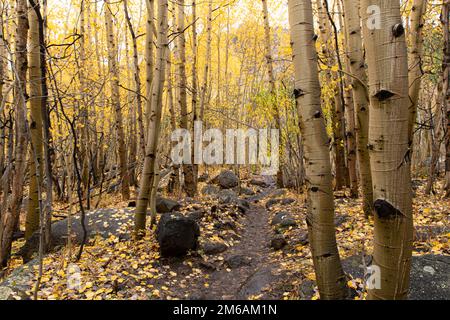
{"x": 227, "y": 197}
{"x": 237, "y": 261}
{"x": 247, "y": 192}
{"x": 100, "y": 222}
{"x": 164, "y": 205}
{"x": 210, "y": 190}
{"x": 197, "y": 215}
{"x": 226, "y": 180}
{"x": 177, "y": 234}
{"x": 243, "y": 206}
{"x": 278, "y": 193}
{"x": 284, "y": 202}
{"x": 259, "y": 183}
{"x": 279, "y": 217}
{"x": 216, "y": 247}
{"x": 278, "y": 242}
{"x": 288, "y": 222}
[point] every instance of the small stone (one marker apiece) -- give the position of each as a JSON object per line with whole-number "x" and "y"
{"x": 429, "y": 270}
{"x": 278, "y": 242}
{"x": 211, "y": 248}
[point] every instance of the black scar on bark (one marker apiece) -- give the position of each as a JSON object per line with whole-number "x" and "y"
{"x": 383, "y": 95}
{"x": 398, "y": 30}
{"x": 315, "y": 37}
{"x": 314, "y": 189}
{"x": 385, "y": 210}
{"x": 318, "y": 115}
{"x": 298, "y": 93}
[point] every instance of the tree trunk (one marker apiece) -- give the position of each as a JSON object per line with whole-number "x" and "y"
{"x": 11, "y": 217}
{"x": 418, "y": 11}
{"x": 149, "y": 57}
{"x": 190, "y": 181}
{"x": 204, "y": 88}
{"x": 446, "y": 90}
{"x": 389, "y": 149}
{"x": 360, "y": 98}
{"x": 150, "y": 171}
{"x": 36, "y": 127}
{"x": 337, "y": 110}
{"x": 273, "y": 90}
{"x": 320, "y": 220}
{"x": 115, "y": 99}
{"x": 137, "y": 82}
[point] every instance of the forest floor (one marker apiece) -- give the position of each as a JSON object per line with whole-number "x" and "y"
{"x": 118, "y": 268}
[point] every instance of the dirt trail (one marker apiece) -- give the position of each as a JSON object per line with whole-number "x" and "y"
{"x": 252, "y": 272}
{"x": 232, "y": 283}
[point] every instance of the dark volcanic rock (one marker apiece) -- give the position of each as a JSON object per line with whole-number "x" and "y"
{"x": 227, "y": 196}
{"x": 279, "y": 217}
{"x": 283, "y": 220}
{"x": 177, "y": 234}
{"x": 284, "y": 202}
{"x": 238, "y": 261}
{"x": 210, "y": 190}
{"x": 259, "y": 183}
{"x": 247, "y": 192}
{"x": 197, "y": 215}
{"x": 226, "y": 180}
{"x": 278, "y": 242}
{"x": 211, "y": 248}
{"x": 288, "y": 222}
{"x": 278, "y": 193}
{"x": 166, "y": 205}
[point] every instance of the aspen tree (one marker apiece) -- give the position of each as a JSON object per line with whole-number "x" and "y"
{"x": 350, "y": 132}
{"x": 272, "y": 84}
{"x": 446, "y": 89}
{"x": 194, "y": 83}
{"x": 115, "y": 99}
{"x": 150, "y": 171}
{"x": 149, "y": 57}
{"x": 337, "y": 104}
{"x": 84, "y": 108}
{"x": 190, "y": 181}
{"x": 137, "y": 80}
{"x": 389, "y": 148}
{"x": 360, "y": 98}
{"x": 330, "y": 276}
{"x": 204, "y": 87}
{"x": 36, "y": 125}
{"x": 417, "y": 21}
{"x": 20, "y": 94}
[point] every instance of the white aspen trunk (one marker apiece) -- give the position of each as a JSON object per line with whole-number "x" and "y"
{"x": 330, "y": 276}
{"x": 389, "y": 148}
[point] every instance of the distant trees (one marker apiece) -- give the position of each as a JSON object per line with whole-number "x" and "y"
{"x": 115, "y": 101}
{"x": 355, "y": 54}
{"x": 190, "y": 179}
